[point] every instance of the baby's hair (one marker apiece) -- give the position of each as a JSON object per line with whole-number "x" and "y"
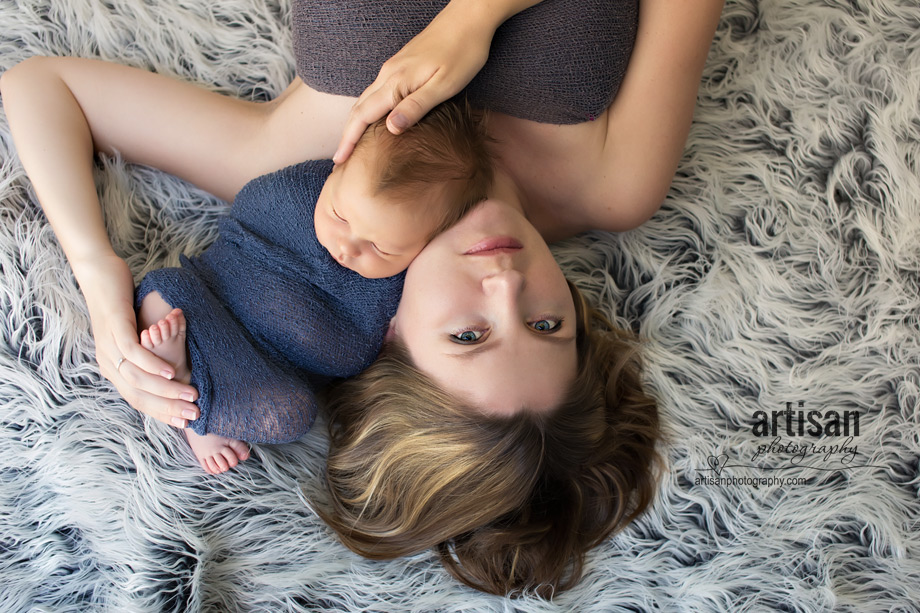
{"x": 511, "y": 504}
{"x": 444, "y": 159}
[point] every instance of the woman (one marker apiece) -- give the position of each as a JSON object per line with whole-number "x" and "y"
{"x": 573, "y": 468}
{"x": 609, "y": 173}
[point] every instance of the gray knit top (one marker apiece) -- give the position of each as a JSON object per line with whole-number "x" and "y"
{"x": 560, "y": 62}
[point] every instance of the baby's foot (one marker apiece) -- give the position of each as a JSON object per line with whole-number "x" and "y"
{"x": 166, "y": 339}
{"x": 216, "y": 453}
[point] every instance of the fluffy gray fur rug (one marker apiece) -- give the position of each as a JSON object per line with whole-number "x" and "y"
{"x": 783, "y": 268}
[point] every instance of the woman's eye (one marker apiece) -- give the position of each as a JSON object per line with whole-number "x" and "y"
{"x": 546, "y": 325}
{"x": 467, "y": 336}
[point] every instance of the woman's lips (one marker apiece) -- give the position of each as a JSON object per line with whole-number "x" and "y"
{"x": 495, "y": 245}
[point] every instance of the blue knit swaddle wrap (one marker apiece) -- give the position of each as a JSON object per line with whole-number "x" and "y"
{"x": 272, "y": 317}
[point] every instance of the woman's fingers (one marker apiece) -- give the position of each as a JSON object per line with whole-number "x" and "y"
{"x": 156, "y": 385}
{"x": 164, "y": 400}
{"x": 152, "y": 393}
{"x": 368, "y": 109}
{"x": 128, "y": 347}
{"x": 124, "y": 333}
{"x": 416, "y": 105}
{"x": 393, "y": 85}
{"x": 404, "y": 102}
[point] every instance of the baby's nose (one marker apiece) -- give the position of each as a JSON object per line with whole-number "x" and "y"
{"x": 348, "y": 248}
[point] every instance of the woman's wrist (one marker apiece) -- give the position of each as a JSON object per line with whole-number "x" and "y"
{"x": 102, "y": 276}
{"x": 488, "y": 13}
{"x": 90, "y": 260}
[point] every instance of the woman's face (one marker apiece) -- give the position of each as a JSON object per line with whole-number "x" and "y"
{"x": 487, "y": 313}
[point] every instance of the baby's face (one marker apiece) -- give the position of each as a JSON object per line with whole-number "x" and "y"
{"x": 371, "y": 236}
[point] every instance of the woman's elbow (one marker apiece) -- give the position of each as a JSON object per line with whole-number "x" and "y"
{"x": 10, "y": 78}
{"x": 18, "y": 78}
{"x": 626, "y": 207}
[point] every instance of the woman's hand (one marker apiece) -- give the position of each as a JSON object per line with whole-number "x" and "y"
{"x": 142, "y": 378}
{"x": 435, "y": 65}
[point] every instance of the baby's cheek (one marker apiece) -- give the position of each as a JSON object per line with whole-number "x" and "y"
{"x": 388, "y": 269}
{"x": 373, "y": 267}
{"x": 393, "y": 266}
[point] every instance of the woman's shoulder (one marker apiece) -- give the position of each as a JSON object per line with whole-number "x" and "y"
{"x": 579, "y": 177}
{"x": 554, "y": 168}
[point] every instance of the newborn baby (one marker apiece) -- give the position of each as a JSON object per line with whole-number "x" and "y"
{"x": 304, "y": 277}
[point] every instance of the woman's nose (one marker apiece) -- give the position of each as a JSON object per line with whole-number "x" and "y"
{"x": 507, "y": 283}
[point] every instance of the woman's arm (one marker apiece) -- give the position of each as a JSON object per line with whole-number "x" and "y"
{"x": 435, "y": 65}
{"x": 648, "y": 122}
{"x": 62, "y": 110}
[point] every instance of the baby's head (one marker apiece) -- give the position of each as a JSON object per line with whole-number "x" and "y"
{"x": 380, "y": 207}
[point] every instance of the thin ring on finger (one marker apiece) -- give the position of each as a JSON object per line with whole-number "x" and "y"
{"x": 118, "y": 363}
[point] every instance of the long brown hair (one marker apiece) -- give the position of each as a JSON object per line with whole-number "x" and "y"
{"x": 510, "y": 503}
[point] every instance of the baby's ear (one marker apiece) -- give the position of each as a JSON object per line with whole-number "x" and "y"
{"x": 391, "y": 331}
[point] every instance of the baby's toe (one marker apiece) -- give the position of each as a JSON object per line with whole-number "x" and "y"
{"x": 146, "y": 342}
{"x": 230, "y": 457}
{"x": 156, "y": 337}
{"x": 165, "y": 329}
{"x": 241, "y": 449}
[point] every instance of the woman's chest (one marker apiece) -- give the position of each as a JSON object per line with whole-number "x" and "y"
{"x": 556, "y": 170}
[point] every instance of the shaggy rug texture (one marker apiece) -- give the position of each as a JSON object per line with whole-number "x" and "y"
{"x": 781, "y": 273}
